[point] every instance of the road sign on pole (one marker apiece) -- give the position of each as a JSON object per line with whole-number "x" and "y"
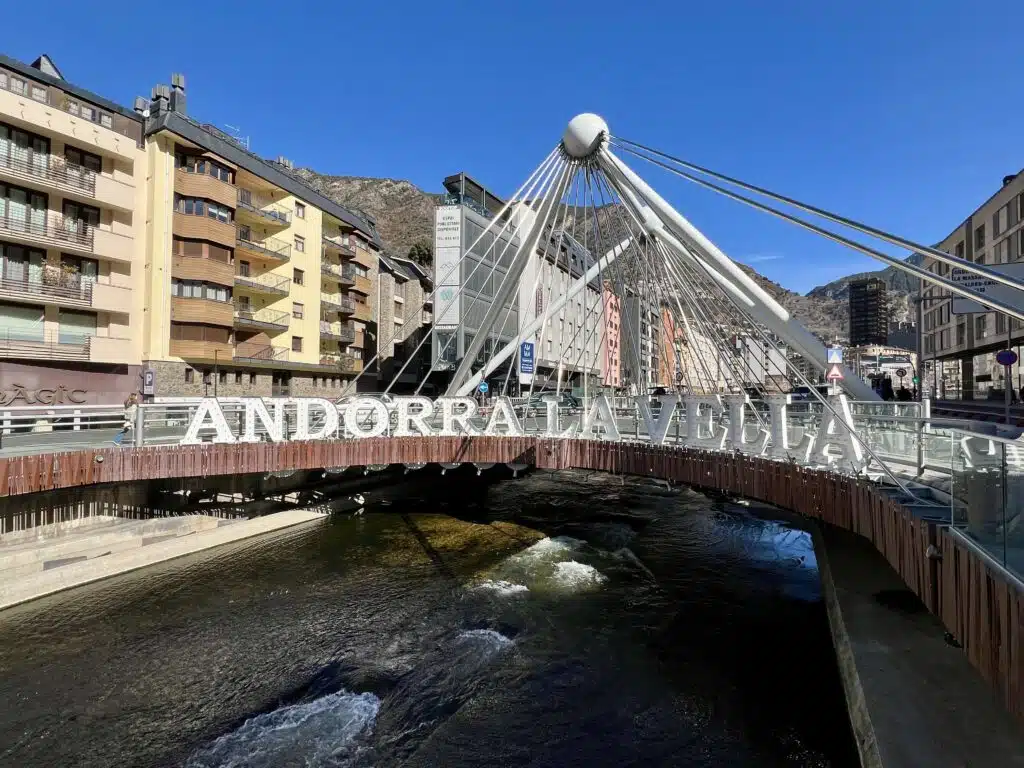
{"x": 483, "y": 387}
{"x": 834, "y": 356}
{"x": 835, "y": 373}
{"x": 901, "y": 372}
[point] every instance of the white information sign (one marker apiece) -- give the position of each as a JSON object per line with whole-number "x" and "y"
{"x": 1004, "y": 293}
{"x": 447, "y": 254}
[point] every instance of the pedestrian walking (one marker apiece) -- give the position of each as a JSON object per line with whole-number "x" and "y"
{"x": 131, "y": 408}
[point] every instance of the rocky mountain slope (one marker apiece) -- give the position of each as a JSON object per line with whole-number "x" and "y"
{"x": 405, "y": 216}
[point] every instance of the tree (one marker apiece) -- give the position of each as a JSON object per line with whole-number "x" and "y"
{"x": 422, "y": 252}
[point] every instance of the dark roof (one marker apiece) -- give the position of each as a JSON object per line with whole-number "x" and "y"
{"x": 44, "y": 62}
{"x": 462, "y": 183}
{"x": 64, "y": 85}
{"x": 197, "y": 134}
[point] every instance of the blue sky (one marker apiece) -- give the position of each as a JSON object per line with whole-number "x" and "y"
{"x": 903, "y": 114}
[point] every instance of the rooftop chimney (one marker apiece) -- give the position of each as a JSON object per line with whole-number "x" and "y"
{"x": 178, "y": 93}
{"x": 284, "y": 162}
{"x": 141, "y": 106}
{"x": 161, "y": 99}
{"x": 1008, "y": 179}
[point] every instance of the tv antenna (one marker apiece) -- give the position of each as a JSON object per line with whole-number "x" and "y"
{"x": 236, "y": 134}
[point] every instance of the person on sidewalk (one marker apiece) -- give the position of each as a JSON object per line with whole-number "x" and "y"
{"x": 131, "y": 408}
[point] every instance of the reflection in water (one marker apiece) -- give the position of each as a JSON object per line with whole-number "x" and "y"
{"x": 561, "y": 619}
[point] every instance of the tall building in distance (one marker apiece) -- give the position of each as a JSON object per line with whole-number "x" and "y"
{"x": 869, "y": 312}
{"x": 641, "y": 323}
{"x": 404, "y": 318}
{"x": 612, "y": 344}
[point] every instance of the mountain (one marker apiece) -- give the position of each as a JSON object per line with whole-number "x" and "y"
{"x": 900, "y": 287}
{"x": 405, "y": 215}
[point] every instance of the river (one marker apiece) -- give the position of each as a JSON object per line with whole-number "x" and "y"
{"x": 561, "y": 619}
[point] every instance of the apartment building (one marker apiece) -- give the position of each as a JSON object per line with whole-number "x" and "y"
{"x": 641, "y": 324}
{"x": 611, "y": 349}
{"x": 257, "y": 284}
{"x": 72, "y": 223}
{"x": 959, "y": 350}
{"x": 405, "y": 317}
{"x": 869, "y": 312}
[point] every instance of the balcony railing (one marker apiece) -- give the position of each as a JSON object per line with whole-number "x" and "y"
{"x": 50, "y": 226}
{"x": 272, "y": 247}
{"x": 35, "y": 343}
{"x": 265, "y": 209}
{"x": 342, "y": 332}
{"x": 53, "y": 282}
{"x": 250, "y": 350}
{"x": 344, "y": 362}
{"x": 267, "y": 283}
{"x": 337, "y": 303}
{"x": 246, "y": 315}
{"x": 51, "y": 168}
{"x": 336, "y": 244}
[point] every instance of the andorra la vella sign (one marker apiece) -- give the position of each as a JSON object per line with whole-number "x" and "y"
{"x": 718, "y": 423}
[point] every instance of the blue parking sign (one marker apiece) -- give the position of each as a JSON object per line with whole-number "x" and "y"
{"x": 526, "y": 357}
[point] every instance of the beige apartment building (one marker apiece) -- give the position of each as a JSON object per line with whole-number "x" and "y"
{"x": 72, "y": 231}
{"x": 958, "y": 351}
{"x": 141, "y": 250}
{"x": 405, "y": 317}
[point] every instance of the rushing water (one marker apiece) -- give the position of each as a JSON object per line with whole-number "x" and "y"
{"x": 557, "y": 620}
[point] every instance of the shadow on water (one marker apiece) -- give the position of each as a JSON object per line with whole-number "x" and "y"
{"x": 561, "y": 619}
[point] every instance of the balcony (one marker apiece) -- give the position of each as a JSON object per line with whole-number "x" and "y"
{"x": 212, "y": 351}
{"x": 67, "y": 290}
{"x": 53, "y": 230}
{"x": 252, "y": 207}
{"x": 363, "y": 312}
{"x": 340, "y": 332}
{"x": 185, "y": 309}
{"x": 342, "y": 304}
{"x": 343, "y": 362}
{"x": 344, "y": 273}
{"x": 189, "y": 183}
{"x": 201, "y": 268}
{"x": 268, "y": 248}
{"x": 336, "y": 245}
{"x": 262, "y": 319}
{"x": 52, "y": 172}
{"x": 268, "y": 283}
{"x": 250, "y": 351}
{"x": 62, "y": 345}
{"x": 361, "y": 285}
{"x": 204, "y": 228}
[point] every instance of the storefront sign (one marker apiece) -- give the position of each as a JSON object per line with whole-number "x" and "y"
{"x": 17, "y": 395}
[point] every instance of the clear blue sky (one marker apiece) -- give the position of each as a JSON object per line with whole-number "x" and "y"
{"x": 904, "y": 114}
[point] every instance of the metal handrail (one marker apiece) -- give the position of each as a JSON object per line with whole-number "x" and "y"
{"x": 335, "y": 242}
{"x": 52, "y": 168}
{"x": 250, "y": 201}
{"x": 52, "y": 226}
{"x": 276, "y": 248}
{"x": 269, "y": 316}
{"x": 266, "y": 280}
{"x": 55, "y": 284}
{"x": 344, "y": 303}
{"x": 248, "y": 350}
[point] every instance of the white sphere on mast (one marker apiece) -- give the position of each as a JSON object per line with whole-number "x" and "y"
{"x": 584, "y": 135}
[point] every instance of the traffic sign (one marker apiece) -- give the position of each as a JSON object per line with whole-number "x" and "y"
{"x": 901, "y": 372}
{"x": 526, "y": 364}
{"x": 483, "y": 387}
{"x": 835, "y": 373}
{"x": 1006, "y": 357}
{"x": 834, "y": 355}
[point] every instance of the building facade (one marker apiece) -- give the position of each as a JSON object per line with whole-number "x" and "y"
{"x": 611, "y": 351}
{"x": 469, "y": 268}
{"x": 72, "y": 223}
{"x": 869, "y": 312}
{"x": 958, "y": 350}
{"x": 141, "y": 250}
{"x": 404, "y": 321}
{"x": 641, "y": 322}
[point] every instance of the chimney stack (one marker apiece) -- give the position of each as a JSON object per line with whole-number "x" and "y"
{"x": 141, "y": 106}
{"x": 161, "y": 99}
{"x": 178, "y": 93}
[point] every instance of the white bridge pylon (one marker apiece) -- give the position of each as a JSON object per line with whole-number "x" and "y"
{"x": 586, "y": 256}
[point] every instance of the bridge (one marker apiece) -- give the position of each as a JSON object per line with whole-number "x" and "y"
{"x": 938, "y": 496}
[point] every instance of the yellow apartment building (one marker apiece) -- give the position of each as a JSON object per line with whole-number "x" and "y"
{"x": 72, "y": 241}
{"x": 143, "y": 251}
{"x": 256, "y": 284}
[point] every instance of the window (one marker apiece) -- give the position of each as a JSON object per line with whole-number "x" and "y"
{"x": 959, "y": 250}
{"x": 199, "y": 164}
{"x": 238, "y": 377}
{"x": 300, "y": 244}
{"x": 200, "y": 332}
{"x": 300, "y": 210}
{"x": 39, "y": 93}
{"x": 298, "y": 311}
{"x": 72, "y": 107}
{"x": 1000, "y": 221}
{"x": 19, "y": 86}
{"x": 252, "y": 379}
{"x": 1000, "y": 323}
{"x": 979, "y": 237}
{"x": 979, "y": 326}
{"x": 297, "y": 276}
{"x": 243, "y": 268}
{"x": 222, "y": 377}
{"x": 296, "y": 343}
{"x": 197, "y": 289}
{"x": 219, "y": 212}
{"x": 84, "y": 159}
{"x": 190, "y": 375}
